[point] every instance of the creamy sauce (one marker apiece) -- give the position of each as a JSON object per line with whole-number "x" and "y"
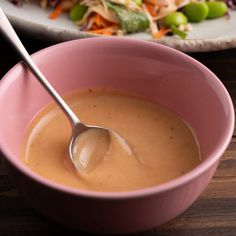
{"x": 163, "y": 144}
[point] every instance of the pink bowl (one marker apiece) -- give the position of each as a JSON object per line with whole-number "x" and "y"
{"x": 157, "y": 72}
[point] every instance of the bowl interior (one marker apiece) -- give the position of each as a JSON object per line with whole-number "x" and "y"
{"x": 146, "y": 69}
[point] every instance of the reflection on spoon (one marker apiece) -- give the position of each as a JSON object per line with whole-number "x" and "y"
{"x": 89, "y": 148}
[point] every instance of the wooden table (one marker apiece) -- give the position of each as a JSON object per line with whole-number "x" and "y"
{"x": 213, "y": 214}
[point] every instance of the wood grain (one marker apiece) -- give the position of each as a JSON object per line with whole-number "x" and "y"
{"x": 213, "y": 214}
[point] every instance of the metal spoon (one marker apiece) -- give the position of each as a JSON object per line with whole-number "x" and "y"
{"x": 88, "y": 143}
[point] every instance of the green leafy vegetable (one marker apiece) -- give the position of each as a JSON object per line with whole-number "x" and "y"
{"x": 178, "y": 32}
{"x": 130, "y": 21}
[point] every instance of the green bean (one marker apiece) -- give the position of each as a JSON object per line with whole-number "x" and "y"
{"x": 178, "y": 32}
{"x": 176, "y": 19}
{"x": 216, "y": 9}
{"x": 77, "y": 12}
{"x": 196, "y": 11}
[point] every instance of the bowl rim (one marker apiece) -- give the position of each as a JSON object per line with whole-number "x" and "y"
{"x": 212, "y": 159}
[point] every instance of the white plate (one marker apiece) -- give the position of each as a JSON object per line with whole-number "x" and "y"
{"x": 211, "y": 35}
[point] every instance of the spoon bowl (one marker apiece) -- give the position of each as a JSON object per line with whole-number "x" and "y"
{"x": 88, "y": 145}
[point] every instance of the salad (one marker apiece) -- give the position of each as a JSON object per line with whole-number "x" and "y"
{"x": 119, "y": 17}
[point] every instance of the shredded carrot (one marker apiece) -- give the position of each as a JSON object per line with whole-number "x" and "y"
{"x": 102, "y": 26}
{"x": 151, "y": 9}
{"x": 105, "y": 31}
{"x": 101, "y": 22}
{"x": 161, "y": 33}
{"x": 156, "y": 3}
{"x": 56, "y": 12}
{"x": 95, "y": 27}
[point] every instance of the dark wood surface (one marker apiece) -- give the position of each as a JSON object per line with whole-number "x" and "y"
{"x": 213, "y": 214}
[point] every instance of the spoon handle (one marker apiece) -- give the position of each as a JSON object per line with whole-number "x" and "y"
{"x": 9, "y": 33}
